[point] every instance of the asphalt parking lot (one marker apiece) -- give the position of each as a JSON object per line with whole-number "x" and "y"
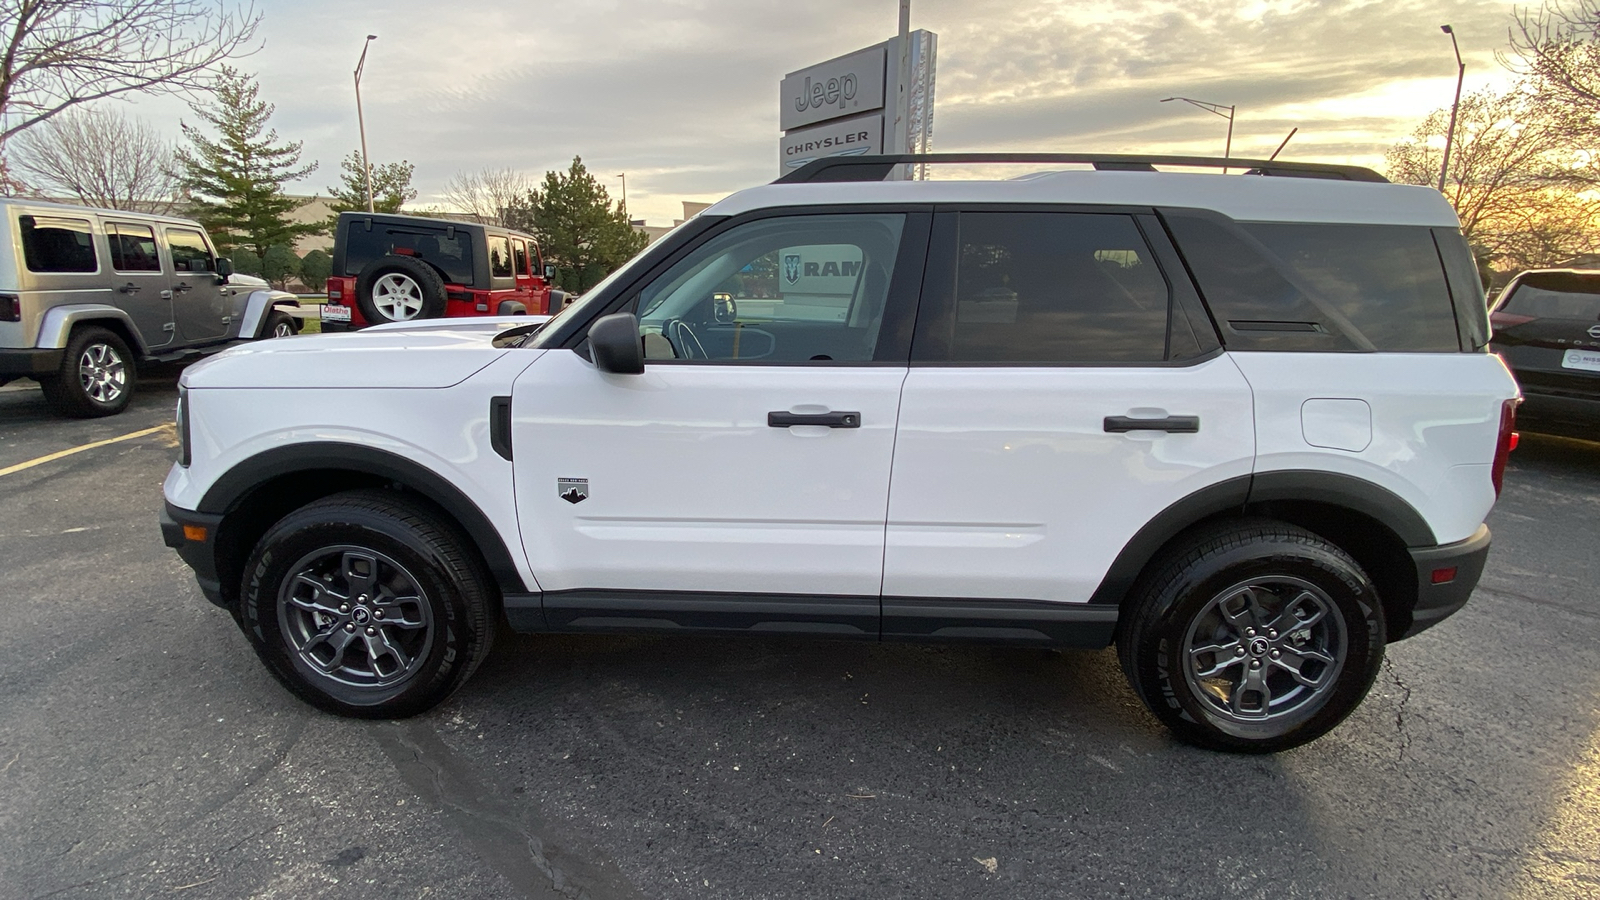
{"x": 145, "y": 753}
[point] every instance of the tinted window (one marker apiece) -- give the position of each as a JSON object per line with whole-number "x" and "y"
{"x": 448, "y": 250}
{"x": 1386, "y": 280}
{"x": 50, "y": 244}
{"x": 1555, "y": 296}
{"x": 133, "y": 248}
{"x": 1052, "y": 288}
{"x": 789, "y": 289}
{"x": 189, "y": 251}
{"x": 519, "y": 249}
{"x": 499, "y": 256}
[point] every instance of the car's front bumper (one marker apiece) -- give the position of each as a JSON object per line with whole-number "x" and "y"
{"x": 1437, "y": 601}
{"x": 194, "y": 536}
{"x": 30, "y": 362}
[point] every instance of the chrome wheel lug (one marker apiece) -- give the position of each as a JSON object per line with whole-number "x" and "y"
{"x": 344, "y": 607}
{"x": 1249, "y": 632}
{"x": 372, "y": 632}
{"x": 1255, "y": 663}
{"x": 349, "y": 627}
{"x": 362, "y": 598}
{"x": 377, "y": 614}
{"x": 1272, "y": 633}
{"x": 1277, "y": 653}
{"x": 1239, "y": 652}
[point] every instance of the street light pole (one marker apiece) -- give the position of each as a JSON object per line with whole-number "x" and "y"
{"x": 366, "y": 167}
{"x": 1216, "y": 109}
{"x": 1450, "y": 136}
{"x": 624, "y": 177}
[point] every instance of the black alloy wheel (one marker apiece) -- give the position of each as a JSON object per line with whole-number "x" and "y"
{"x": 368, "y": 603}
{"x": 1253, "y": 636}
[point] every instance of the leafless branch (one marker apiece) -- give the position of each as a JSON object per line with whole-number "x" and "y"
{"x": 101, "y": 158}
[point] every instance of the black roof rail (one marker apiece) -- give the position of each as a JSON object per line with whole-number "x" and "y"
{"x": 876, "y": 168}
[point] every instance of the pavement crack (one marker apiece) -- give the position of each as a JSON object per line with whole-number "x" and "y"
{"x": 1401, "y": 733}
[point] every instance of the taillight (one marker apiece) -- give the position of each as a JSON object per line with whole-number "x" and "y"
{"x": 1506, "y": 443}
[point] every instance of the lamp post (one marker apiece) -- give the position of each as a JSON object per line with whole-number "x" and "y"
{"x": 624, "y": 177}
{"x": 366, "y": 167}
{"x": 1461, "y": 75}
{"x": 1217, "y": 109}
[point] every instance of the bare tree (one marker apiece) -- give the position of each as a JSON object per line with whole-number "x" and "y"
{"x": 58, "y": 54}
{"x": 101, "y": 157}
{"x": 497, "y": 196}
{"x": 1520, "y": 176}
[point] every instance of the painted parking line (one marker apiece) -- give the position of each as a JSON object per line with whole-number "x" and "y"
{"x": 52, "y": 457}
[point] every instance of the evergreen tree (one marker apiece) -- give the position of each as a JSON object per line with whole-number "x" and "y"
{"x": 391, "y": 187}
{"x": 315, "y": 267}
{"x": 278, "y": 264}
{"x": 236, "y": 180}
{"x": 579, "y": 229}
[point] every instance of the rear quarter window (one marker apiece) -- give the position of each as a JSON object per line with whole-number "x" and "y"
{"x": 51, "y": 244}
{"x": 1320, "y": 287}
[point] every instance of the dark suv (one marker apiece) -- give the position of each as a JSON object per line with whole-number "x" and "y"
{"x": 1547, "y": 328}
{"x": 392, "y": 268}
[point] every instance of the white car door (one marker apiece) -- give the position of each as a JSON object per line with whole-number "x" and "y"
{"x": 742, "y": 480}
{"x": 1059, "y": 399}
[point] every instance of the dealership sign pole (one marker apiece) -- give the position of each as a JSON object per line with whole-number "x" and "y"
{"x": 850, "y": 105}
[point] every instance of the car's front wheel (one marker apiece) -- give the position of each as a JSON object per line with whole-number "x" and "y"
{"x": 367, "y": 604}
{"x": 1254, "y": 636}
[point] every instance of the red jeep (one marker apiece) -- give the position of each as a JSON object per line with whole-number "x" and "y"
{"x": 393, "y": 268}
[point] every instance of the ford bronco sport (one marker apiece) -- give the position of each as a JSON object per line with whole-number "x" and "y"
{"x": 1242, "y": 427}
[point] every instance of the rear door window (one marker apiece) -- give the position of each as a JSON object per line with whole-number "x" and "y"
{"x": 1050, "y": 288}
{"x": 519, "y": 252}
{"x": 54, "y": 244}
{"x": 133, "y": 247}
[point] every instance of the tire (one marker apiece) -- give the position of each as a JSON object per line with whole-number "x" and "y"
{"x": 97, "y": 375}
{"x": 335, "y": 576}
{"x": 279, "y": 324}
{"x": 399, "y": 289}
{"x": 1204, "y": 645}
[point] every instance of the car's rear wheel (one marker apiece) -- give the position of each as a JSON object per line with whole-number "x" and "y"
{"x": 1254, "y": 636}
{"x": 97, "y": 375}
{"x": 367, "y": 604}
{"x": 399, "y": 289}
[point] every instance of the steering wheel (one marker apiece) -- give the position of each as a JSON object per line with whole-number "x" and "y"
{"x": 683, "y": 339}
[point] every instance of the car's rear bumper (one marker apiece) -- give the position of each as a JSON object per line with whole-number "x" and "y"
{"x": 1559, "y": 414}
{"x": 30, "y": 362}
{"x": 1437, "y": 601}
{"x": 194, "y": 536}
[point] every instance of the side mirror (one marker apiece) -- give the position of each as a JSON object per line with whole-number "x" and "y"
{"x": 724, "y": 311}
{"x": 224, "y": 269}
{"x": 614, "y": 341}
{"x": 549, "y": 271}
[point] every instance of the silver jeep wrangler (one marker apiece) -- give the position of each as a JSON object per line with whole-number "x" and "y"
{"x": 88, "y": 294}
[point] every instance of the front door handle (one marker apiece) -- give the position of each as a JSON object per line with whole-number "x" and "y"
{"x": 182, "y": 286}
{"x": 1171, "y": 424}
{"x": 830, "y": 419}
{"x": 129, "y": 288}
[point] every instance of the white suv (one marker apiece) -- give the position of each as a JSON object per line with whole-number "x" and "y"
{"x": 1244, "y": 428}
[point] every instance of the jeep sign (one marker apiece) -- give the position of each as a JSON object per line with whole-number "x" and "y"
{"x": 839, "y": 87}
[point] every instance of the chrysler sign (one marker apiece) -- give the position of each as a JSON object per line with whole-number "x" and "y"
{"x": 846, "y": 137}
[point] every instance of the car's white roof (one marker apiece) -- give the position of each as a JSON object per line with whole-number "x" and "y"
{"x": 51, "y": 207}
{"x": 1246, "y": 198}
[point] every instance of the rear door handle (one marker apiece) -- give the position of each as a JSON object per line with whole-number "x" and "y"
{"x": 1171, "y": 424}
{"x": 830, "y": 419}
{"x": 129, "y": 288}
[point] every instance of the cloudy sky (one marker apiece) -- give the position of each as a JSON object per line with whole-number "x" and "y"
{"x": 682, "y": 95}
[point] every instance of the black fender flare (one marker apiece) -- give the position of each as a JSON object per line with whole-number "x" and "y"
{"x": 245, "y": 477}
{"x": 1242, "y": 492}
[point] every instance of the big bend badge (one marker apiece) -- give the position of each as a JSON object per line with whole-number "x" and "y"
{"x": 572, "y": 490}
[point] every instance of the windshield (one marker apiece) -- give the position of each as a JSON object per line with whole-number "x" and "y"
{"x": 593, "y": 295}
{"x": 1570, "y": 297}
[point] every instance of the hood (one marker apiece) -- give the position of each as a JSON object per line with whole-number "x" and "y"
{"x": 429, "y": 357}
